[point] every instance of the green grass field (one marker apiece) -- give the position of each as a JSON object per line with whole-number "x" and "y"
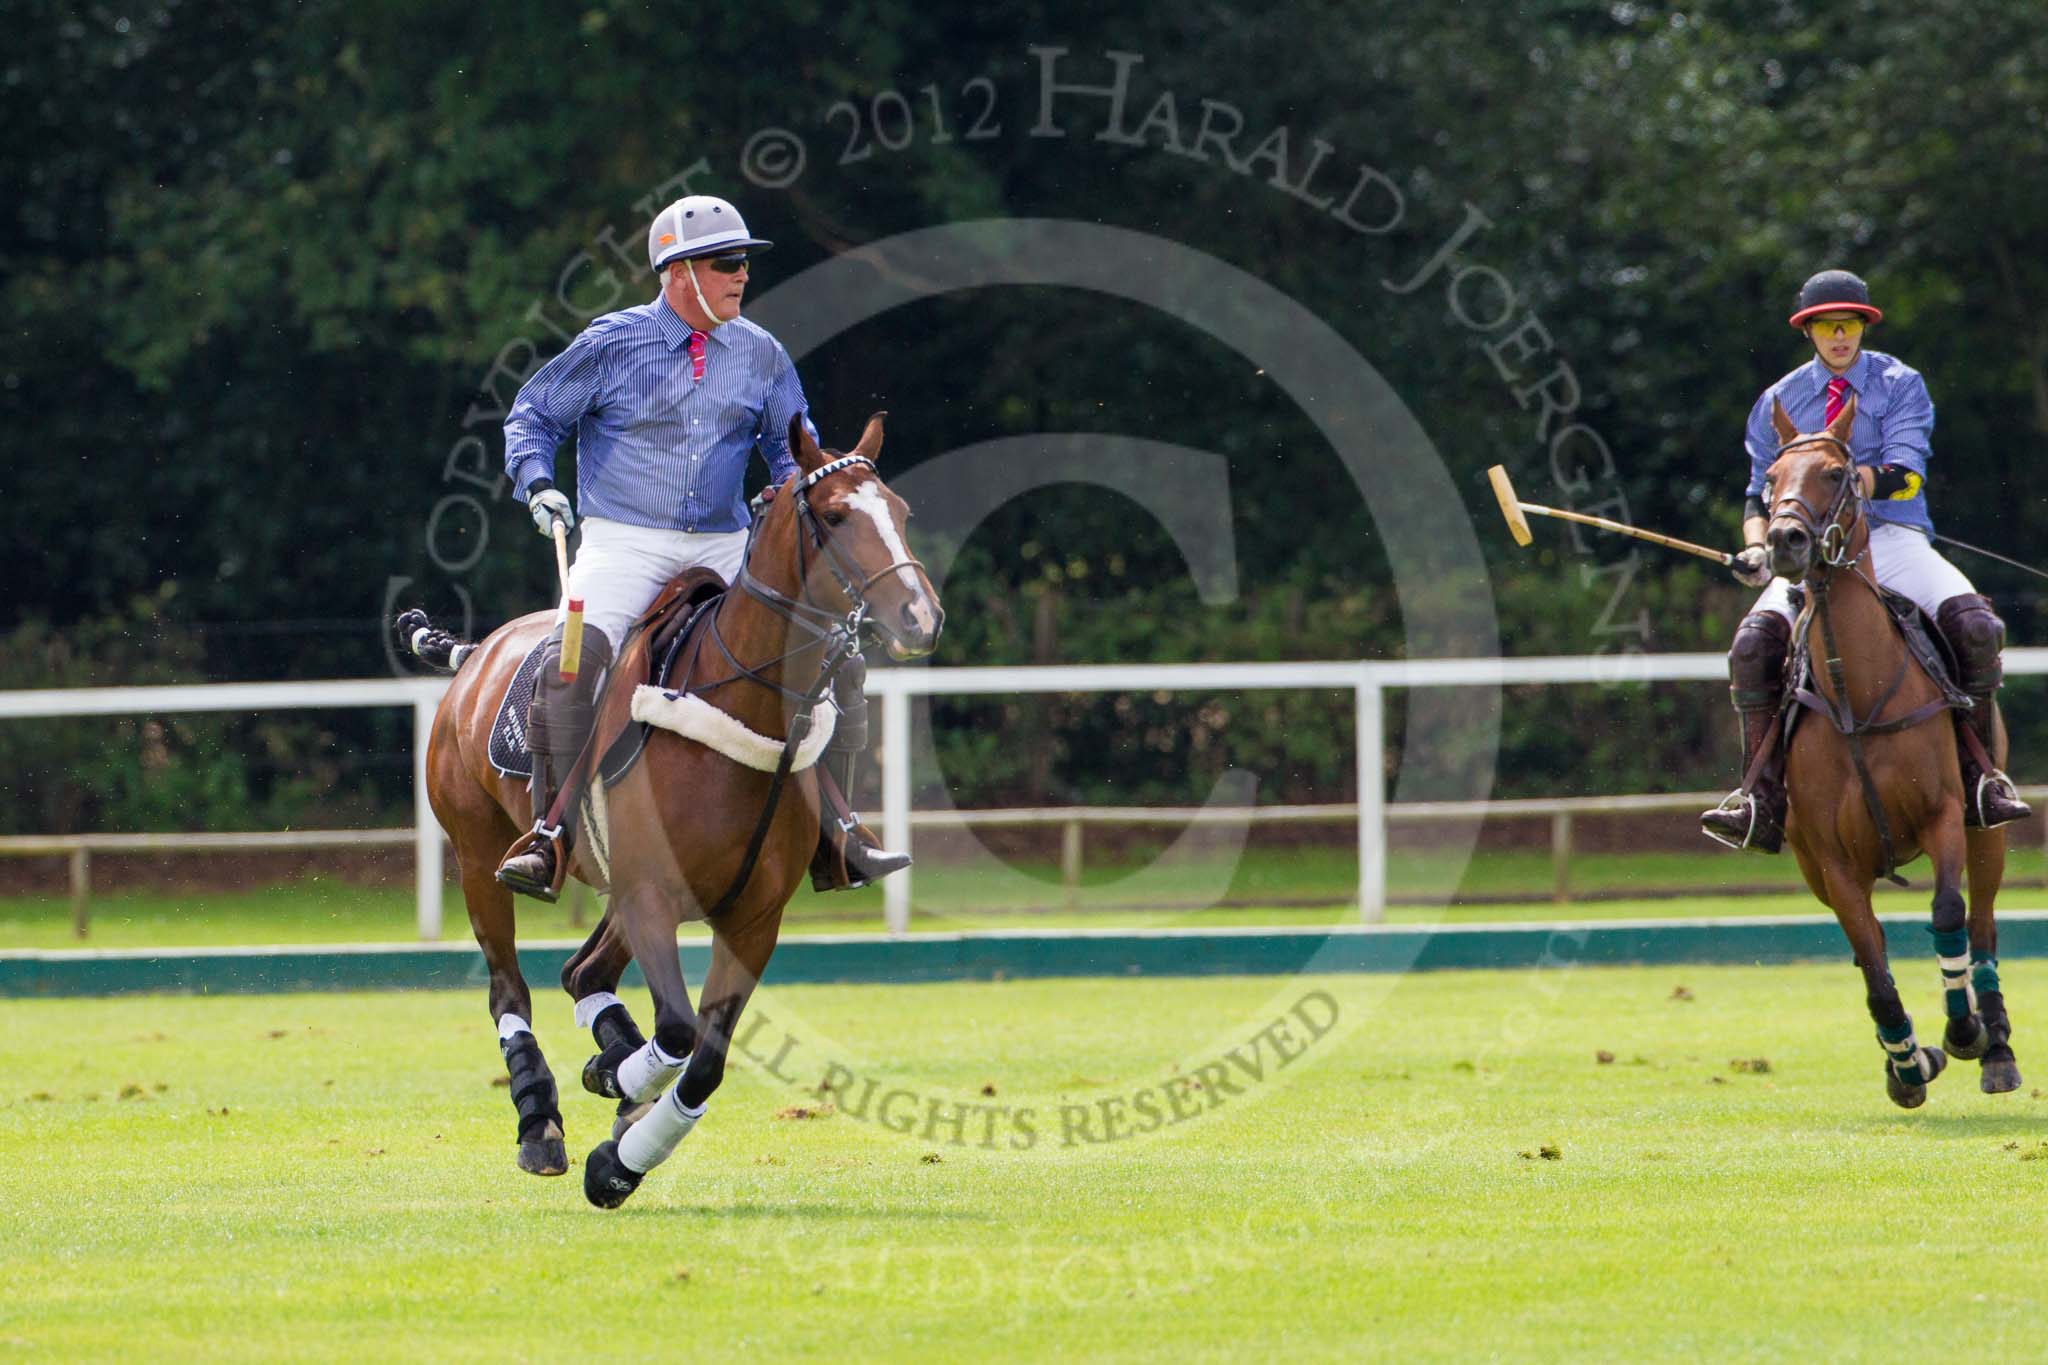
{"x": 1448, "y": 1173}
{"x": 1262, "y": 888}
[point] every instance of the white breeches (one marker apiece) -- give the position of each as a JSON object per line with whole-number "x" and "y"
{"x": 620, "y": 567}
{"x": 1903, "y": 560}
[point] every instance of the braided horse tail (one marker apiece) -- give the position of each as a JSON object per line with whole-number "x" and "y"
{"x": 434, "y": 646}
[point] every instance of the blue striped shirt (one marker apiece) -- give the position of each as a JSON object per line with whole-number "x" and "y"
{"x": 653, "y": 446}
{"x": 1894, "y": 418}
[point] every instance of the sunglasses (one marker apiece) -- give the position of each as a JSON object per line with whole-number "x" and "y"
{"x": 736, "y": 262}
{"x": 1841, "y": 327}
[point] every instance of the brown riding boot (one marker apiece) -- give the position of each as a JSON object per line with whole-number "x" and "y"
{"x": 1976, "y": 636}
{"x": 847, "y": 856}
{"x": 557, "y": 729}
{"x": 1754, "y": 817}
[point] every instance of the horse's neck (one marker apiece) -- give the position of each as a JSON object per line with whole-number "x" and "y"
{"x": 761, "y": 639}
{"x": 1871, "y": 651}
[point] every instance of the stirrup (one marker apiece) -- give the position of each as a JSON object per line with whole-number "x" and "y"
{"x": 542, "y": 841}
{"x": 1989, "y": 783}
{"x": 1734, "y": 803}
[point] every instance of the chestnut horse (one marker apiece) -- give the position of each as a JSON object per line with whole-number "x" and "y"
{"x": 690, "y": 833}
{"x": 1872, "y": 775}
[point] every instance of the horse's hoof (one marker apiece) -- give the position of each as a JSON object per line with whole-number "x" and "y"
{"x": 630, "y": 1113}
{"x": 1998, "y": 1076}
{"x": 1932, "y": 1061}
{"x": 601, "y": 1072}
{"x": 608, "y": 1181}
{"x": 1966, "y": 1039}
{"x": 544, "y": 1153}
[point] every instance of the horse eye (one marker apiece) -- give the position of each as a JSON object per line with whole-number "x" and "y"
{"x": 1835, "y": 474}
{"x": 835, "y": 517}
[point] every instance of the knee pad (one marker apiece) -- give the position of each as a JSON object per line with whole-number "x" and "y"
{"x": 1756, "y": 661}
{"x": 1977, "y": 636}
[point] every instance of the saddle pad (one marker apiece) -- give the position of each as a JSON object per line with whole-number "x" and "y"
{"x": 509, "y": 753}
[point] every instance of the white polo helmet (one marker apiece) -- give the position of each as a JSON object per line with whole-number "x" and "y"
{"x": 698, "y": 225}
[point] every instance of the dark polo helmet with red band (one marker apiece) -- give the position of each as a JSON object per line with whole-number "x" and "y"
{"x": 1833, "y": 291}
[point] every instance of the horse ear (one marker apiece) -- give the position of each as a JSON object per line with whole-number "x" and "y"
{"x": 871, "y": 438}
{"x": 1781, "y": 421}
{"x": 802, "y": 448}
{"x": 1844, "y": 420}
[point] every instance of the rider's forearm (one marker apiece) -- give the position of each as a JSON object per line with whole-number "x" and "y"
{"x": 1753, "y": 531}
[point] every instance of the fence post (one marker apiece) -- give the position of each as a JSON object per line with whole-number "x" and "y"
{"x": 896, "y": 804}
{"x": 1561, "y": 857}
{"x": 1372, "y": 799}
{"x": 1070, "y": 862}
{"x": 426, "y": 830}
{"x": 81, "y": 889}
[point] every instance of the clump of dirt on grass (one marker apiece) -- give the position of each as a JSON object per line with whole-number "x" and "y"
{"x": 1549, "y": 1151}
{"x": 2036, "y": 1153}
{"x": 930, "y": 1159}
{"x": 1680, "y": 993}
{"x": 988, "y": 1088}
{"x": 1604, "y": 1057}
{"x": 133, "y": 1091}
{"x": 1754, "y": 1066}
{"x": 806, "y": 1111}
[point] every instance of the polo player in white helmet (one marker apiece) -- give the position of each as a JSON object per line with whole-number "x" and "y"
{"x": 668, "y": 401}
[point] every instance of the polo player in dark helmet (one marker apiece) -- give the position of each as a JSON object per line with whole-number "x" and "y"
{"x": 1889, "y": 445}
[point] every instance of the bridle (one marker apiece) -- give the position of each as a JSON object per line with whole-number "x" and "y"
{"x": 835, "y": 632}
{"x": 1830, "y": 531}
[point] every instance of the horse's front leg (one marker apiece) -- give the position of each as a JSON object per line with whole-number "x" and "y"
{"x": 1965, "y": 1037}
{"x": 614, "y": 1169}
{"x": 591, "y": 978}
{"x": 1908, "y": 1066}
{"x": 1999, "y": 1071}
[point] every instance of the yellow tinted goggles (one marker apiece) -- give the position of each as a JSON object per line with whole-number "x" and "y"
{"x": 1836, "y": 327}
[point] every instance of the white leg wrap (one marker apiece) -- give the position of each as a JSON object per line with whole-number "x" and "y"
{"x": 509, "y": 1024}
{"x": 648, "y": 1071}
{"x": 592, "y": 1005}
{"x": 653, "y": 1139}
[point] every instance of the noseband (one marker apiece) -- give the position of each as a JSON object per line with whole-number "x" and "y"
{"x": 1829, "y": 531}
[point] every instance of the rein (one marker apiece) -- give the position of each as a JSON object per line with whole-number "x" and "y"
{"x": 837, "y": 634}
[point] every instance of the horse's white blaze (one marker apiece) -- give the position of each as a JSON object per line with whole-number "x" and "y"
{"x": 868, "y": 498}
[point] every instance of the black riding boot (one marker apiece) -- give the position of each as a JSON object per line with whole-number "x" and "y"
{"x": 558, "y": 727}
{"x": 847, "y": 855}
{"x": 1755, "y": 817}
{"x": 1976, "y": 636}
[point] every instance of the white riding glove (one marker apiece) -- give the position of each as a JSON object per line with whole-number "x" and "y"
{"x": 1752, "y": 567}
{"x": 548, "y": 506}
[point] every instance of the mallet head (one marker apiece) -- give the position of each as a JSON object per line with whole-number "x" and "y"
{"x": 1510, "y": 505}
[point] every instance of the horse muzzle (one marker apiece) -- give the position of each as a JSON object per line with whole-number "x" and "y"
{"x": 912, "y": 630}
{"x": 1791, "y": 549}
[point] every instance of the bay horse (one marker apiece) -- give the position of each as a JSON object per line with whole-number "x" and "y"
{"x": 689, "y": 833}
{"x": 1878, "y": 783}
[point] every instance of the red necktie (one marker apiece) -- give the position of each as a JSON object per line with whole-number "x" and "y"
{"x": 1838, "y": 393}
{"x": 697, "y": 361}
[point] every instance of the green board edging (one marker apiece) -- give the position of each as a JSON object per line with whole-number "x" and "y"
{"x": 863, "y": 958}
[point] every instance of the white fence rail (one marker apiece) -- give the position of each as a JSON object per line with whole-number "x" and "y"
{"x": 1368, "y": 680}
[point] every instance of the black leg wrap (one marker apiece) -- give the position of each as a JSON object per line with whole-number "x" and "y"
{"x": 615, "y": 1028}
{"x": 533, "y": 1085}
{"x": 1887, "y": 1010}
{"x": 1991, "y": 1008}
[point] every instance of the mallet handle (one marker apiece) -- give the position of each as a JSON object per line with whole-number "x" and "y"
{"x": 572, "y": 627}
{"x": 1636, "y": 532}
{"x": 562, "y": 554}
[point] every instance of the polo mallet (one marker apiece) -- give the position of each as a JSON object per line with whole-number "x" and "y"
{"x": 572, "y": 628}
{"x": 1512, "y": 508}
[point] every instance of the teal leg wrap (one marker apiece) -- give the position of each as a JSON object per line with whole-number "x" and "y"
{"x": 1952, "y": 946}
{"x": 1983, "y": 972}
{"x": 1903, "y": 1052}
